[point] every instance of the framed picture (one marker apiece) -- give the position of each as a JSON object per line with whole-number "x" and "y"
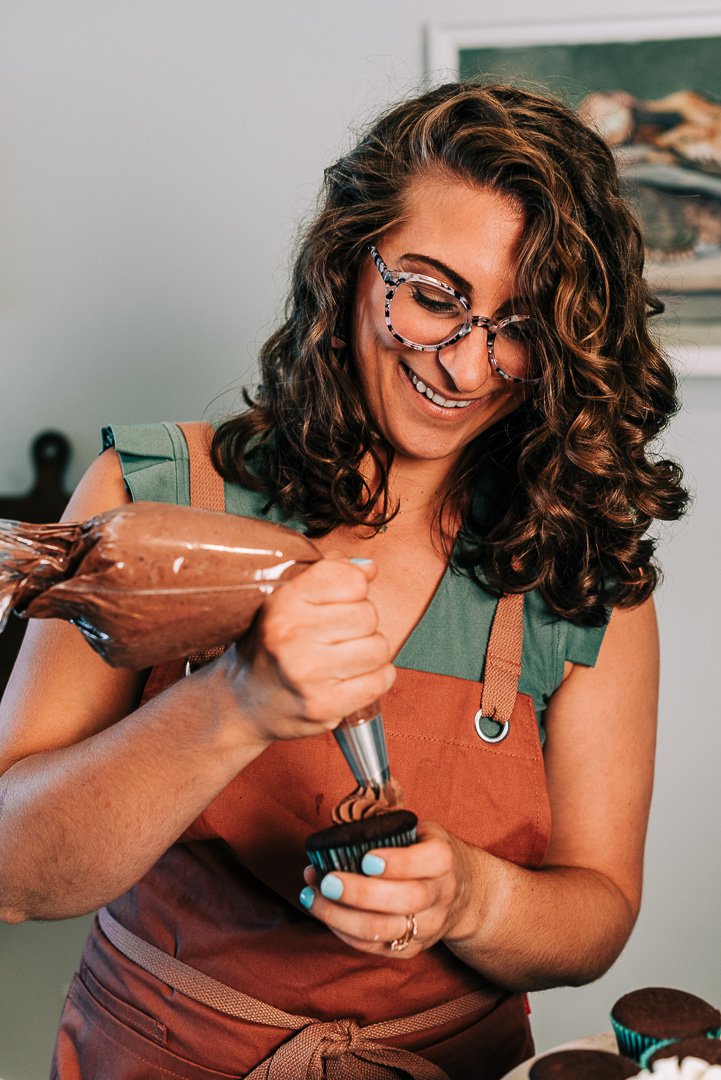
{"x": 652, "y": 88}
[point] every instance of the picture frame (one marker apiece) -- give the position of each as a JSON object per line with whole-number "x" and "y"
{"x": 653, "y": 88}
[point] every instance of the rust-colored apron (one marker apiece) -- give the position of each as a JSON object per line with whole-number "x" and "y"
{"x": 223, "y": 900}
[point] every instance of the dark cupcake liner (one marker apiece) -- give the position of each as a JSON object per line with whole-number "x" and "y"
{"x": 349, "y": 857}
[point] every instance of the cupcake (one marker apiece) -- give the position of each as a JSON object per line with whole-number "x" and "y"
{"x": 582, "y": 1065}
{"x": 650, "y": 1017}
{"x": 342, "y": 847}
{"x": 705, "y": 1049}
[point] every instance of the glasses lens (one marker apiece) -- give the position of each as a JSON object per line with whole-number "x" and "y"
{"x": 513, "y": 348}
{"x": 425, "y": 314}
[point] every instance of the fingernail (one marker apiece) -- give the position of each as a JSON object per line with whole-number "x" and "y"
{"x": 307, "y": 896}
{"x": 362, "y": 562}
{"x": 331, "y": 887}
{"x": 373, "y": 865}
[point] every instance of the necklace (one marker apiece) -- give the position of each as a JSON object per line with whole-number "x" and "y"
{"x": 406, "y": 509}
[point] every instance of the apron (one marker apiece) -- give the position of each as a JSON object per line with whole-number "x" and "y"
{"x": 223, "y": 901}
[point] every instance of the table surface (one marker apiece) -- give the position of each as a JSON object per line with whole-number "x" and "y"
{"x": 605, "y": 1041}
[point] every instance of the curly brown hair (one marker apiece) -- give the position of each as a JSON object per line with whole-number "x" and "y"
{"x": 578, "y": 484}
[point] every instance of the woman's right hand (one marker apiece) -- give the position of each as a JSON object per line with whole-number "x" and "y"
{"x": 313, "y": 655}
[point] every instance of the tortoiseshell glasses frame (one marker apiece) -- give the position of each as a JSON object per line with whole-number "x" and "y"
{"x": 393, "y": 279}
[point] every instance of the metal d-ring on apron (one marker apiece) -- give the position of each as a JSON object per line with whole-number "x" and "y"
{"x": 502, "y": 671}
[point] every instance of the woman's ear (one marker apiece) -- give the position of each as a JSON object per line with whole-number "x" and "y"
{"x": 338, "y": 343}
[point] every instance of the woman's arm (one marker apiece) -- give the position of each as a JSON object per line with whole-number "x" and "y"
{"x": 567, "y": 922}
{"x": 93, "y": 789}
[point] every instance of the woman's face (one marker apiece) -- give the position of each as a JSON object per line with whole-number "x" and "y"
{"x": 466, "y": 237}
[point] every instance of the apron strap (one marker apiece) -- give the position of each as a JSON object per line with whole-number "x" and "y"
{"x": 338, "y": 1049}
{"x": 503, "y": 659}
{"x": 207, "y": 490}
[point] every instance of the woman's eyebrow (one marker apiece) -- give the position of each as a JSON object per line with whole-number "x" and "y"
{"x": 460, "y": 282}
{"x": 512, "y": 304}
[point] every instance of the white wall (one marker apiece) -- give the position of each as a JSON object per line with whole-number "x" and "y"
{"x": 156, "y": 157}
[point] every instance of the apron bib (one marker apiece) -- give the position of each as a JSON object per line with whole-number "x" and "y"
{"x": 224, "y": 901}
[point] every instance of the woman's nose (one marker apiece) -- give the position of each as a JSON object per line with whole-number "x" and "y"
{"x": 467, "y": 361}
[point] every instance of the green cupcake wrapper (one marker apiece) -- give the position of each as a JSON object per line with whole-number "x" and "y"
{"x": 647, "y": 1054}
{"x": 641, "y": 1047}
{"x": 643, "y": 1060}
{"x": 631, "y": 1044}
{"x": 349, "y": 857}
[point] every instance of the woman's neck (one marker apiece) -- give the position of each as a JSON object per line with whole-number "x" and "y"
{"x": 417, "y": 488}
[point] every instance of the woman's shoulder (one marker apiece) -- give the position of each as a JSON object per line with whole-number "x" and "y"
{"x": 155, "y": 463}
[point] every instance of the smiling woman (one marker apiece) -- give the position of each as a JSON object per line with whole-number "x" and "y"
{"x": 476, "y": 235}
{"x": 457, "y": 409}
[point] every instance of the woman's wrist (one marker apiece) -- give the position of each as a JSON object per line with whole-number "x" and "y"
{"x": 476, "y": 900}
{"x": 229, "y": 728}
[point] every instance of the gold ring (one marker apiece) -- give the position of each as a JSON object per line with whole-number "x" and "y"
{"x": 401, "y": 943}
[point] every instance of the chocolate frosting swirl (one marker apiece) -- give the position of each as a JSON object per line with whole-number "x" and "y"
{"x": 368, "y": 801}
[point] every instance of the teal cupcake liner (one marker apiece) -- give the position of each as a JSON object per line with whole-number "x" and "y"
{"x": 633, "y": 1045}
{"x": 349, "y": 857}
{"x": 640, "y": 1047}
{"x": 647, "y": 1054}
{"x": 643, "y": 1060}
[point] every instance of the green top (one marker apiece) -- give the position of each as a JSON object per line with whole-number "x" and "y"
{"x": 154, "y": 459}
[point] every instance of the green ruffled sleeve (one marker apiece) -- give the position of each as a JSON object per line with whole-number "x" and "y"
{"x": 154, "y": 460}
{"x": 582, "y": 643}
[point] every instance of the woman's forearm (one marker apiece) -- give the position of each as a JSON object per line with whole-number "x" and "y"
{"x": 79, "y": 825}
{"x": 534, "y": 929}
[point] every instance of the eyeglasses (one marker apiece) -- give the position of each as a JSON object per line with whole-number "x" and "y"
{"x": 427, "y": 315}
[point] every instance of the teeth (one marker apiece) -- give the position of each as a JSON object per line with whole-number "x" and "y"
{"x": 432, "y": 396}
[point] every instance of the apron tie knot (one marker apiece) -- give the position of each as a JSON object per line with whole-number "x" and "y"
{"x": 339, "y": 1050}
{"x": 341, "y": 1038}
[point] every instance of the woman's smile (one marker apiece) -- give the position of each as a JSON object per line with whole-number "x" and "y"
{"x": 432, "y": 399}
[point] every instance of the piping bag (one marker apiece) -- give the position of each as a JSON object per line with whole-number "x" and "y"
{"x": 151, "y": 582}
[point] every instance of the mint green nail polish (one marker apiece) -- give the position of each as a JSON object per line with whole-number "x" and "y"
{"x": 373, "y": 865}
{"x": 307, "y": 896}
{"x": 362, "y": 562}
{"x": 331, "y": 887}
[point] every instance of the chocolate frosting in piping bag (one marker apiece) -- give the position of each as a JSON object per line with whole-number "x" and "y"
{"x": 150, "y": 582}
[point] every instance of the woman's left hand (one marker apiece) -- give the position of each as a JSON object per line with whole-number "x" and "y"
{"x": 368, "y": 911}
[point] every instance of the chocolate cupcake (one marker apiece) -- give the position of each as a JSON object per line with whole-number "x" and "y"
{"x": 582, "y": 1065}
{"x": 657, "y": 1015}
{"x": 705, "y": 1049}
{"x": 342, "y": 847}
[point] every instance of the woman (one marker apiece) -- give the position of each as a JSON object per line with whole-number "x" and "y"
{"x": 458, "y": 406}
